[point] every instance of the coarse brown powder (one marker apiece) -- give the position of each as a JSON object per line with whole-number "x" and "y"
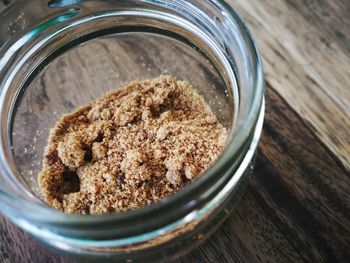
{"x": 130, "y": 148}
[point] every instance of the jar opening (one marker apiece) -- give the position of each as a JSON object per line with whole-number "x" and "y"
{"x": 207, "y": 32}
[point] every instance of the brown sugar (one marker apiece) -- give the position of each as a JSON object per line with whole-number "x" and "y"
{"x": 130, "y": 148}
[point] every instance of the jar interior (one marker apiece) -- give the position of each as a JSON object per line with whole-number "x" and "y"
{"x": 88, "y": 70}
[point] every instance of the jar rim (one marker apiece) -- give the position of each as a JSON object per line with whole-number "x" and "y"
{"x": 209, "y": 177}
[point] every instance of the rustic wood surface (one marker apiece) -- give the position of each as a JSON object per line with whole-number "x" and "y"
{"x": 297, "y": 205}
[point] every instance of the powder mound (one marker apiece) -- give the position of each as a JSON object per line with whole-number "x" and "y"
{"x": 130, "y": 148}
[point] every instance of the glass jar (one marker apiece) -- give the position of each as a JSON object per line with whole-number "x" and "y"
{"x": 57, "y": 55}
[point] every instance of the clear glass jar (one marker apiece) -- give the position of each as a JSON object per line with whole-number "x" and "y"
{"x": 53, "y": 56}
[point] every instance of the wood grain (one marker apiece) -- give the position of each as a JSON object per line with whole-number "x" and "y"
{"x": 297, "y": 205}
{"x": 17, "y": 246}
{"x": 305, "y": 50}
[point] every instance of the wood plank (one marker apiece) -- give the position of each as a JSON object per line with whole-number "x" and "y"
{"x": 305, "y": 65}
{"x": 330, "y": 17}
{"x": 297, "y": 205}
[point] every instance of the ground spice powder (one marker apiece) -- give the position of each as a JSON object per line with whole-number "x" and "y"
{"x": 130, "y": 148}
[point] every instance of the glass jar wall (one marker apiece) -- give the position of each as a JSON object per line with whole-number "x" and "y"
{"x": 203, "y": 42}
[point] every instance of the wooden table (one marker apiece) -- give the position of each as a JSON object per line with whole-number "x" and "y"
{"x": 297, "y": 205}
